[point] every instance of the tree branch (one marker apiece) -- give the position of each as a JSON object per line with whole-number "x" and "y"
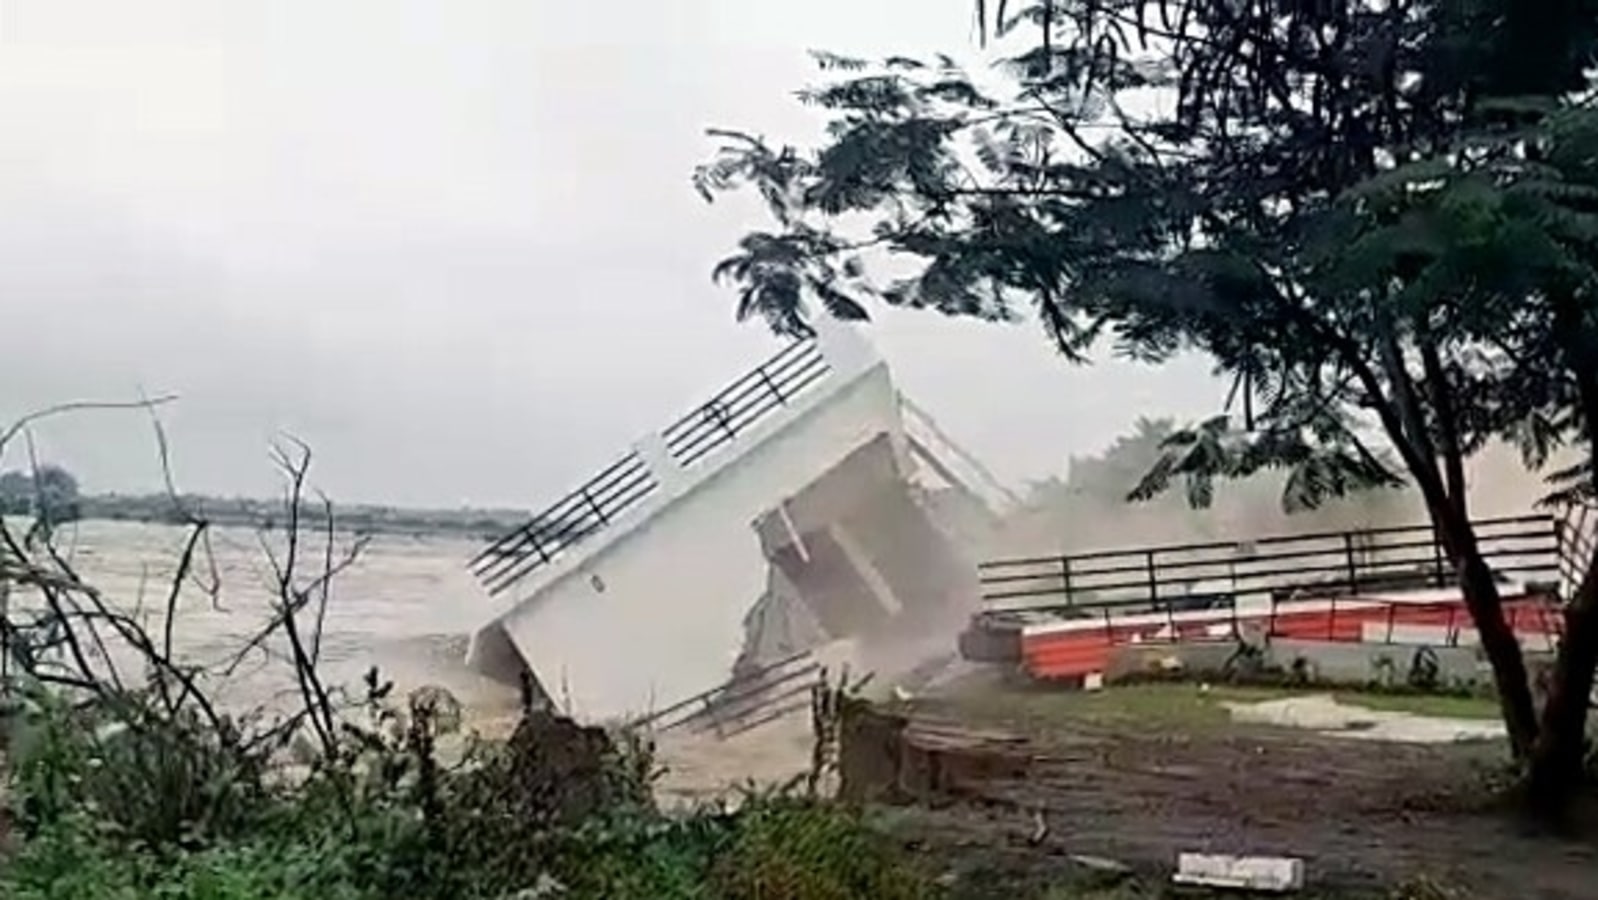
{"x": 16, "y": 427}
{"x": 1447, "y": 426}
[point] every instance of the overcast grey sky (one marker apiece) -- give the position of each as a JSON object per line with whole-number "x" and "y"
{"x": 450, "y": 244}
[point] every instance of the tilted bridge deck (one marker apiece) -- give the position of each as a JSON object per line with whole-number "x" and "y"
{"x": 689, "y": 441}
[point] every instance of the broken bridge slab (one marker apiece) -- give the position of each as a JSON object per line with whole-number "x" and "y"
{"x": 649, "y": 607}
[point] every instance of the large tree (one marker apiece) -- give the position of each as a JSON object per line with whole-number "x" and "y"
{"x": 1378, "y": 218}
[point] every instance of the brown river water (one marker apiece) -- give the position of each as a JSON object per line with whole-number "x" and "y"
{"x": 407, "y": 605}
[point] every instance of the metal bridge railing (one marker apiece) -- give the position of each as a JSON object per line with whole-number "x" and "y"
{"x": 746, "y": 401}
{"x": 568, "y": 521}
{"x": 1196, "y": 576}
{"x": 602, "y": 499}
{"x": 746, "y": 702}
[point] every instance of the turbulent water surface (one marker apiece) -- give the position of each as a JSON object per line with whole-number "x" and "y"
{"x": 406, "y": 605}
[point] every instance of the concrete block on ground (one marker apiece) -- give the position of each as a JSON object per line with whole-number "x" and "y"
{"x": 1275, "y": 874}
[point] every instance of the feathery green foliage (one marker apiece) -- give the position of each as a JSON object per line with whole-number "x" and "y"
{"x": 1293, "y": 189}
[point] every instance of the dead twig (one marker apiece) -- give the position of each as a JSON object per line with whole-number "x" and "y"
{"x": 67, "y": 641}
{"x": 292, "y": 598}
{"x": 15, "y": 428}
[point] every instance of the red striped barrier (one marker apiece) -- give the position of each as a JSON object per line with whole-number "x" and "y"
{"x": 1074, "y": 648}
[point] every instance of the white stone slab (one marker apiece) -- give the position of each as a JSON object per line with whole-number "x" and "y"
{"x": 1276, "y": 874}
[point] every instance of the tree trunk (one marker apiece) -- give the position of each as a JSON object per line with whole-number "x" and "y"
{"x": 1558, "y": 761}
{"x": 1406, "y": 425}
{"x": 1498, "y": 640}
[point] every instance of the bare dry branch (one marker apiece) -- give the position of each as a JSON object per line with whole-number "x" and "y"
{"x": 70, "y": 638}
{"x": 16, "y": 427}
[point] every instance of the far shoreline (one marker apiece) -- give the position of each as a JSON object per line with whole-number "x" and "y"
{"x": 484, "y": 525}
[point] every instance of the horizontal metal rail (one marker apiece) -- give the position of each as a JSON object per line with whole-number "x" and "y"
{"x": 743, "y": 702}
{"x": 565, "y": 523}
{"x": 1330, "y": 563}
{"x": 746, "y": 401}
{"x": 735, "y": 717}
{"x": 598, "y": 502}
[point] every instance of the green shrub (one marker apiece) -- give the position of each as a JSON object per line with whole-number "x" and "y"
{"x": 159, "y": 805}
{"x": 157, "y": 781}
{"x": 640, "y": 858}
{"x": 72, "y": 860}
{"x": 801, "y": 849}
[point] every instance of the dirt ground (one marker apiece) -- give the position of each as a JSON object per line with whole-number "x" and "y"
{"x": 1142, "y": 776}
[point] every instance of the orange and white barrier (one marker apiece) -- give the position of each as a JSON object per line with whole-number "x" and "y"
{"x": 1074, "y": 648}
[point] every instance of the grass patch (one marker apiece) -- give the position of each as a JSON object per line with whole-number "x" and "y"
{"x": 1444, "y": 706}
{"x": 1165, "y": 705}
{"x": 1184, "y": 706}
{"x": 1171, "y": 705}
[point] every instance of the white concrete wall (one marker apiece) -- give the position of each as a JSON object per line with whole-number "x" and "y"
{"x": 865, "y": 557}
{"x": 654, "y": 613}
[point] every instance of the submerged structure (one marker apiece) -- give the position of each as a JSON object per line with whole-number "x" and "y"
{"x": 806, "y": 502}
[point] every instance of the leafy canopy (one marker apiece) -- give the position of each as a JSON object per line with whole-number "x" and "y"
{"x": 1373, "y": 215}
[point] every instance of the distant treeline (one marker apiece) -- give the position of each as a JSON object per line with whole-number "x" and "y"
{"x": 52, "y": 493}
{"x": 485, "y": 524}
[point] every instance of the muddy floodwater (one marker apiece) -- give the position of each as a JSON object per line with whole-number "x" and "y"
{"x": 407, "y": 605}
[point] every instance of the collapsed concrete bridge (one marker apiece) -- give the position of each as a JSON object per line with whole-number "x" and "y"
{"x": 808, "y": 501}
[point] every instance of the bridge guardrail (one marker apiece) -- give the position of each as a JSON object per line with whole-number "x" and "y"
{"x": 744, "y": 702}
{"x": 1186, "y": 576}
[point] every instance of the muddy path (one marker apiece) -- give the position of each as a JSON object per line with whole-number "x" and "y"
{"x": 1362, "y": 814}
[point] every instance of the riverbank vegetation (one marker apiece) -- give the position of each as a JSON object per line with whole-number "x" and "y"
{"x": 127, "y": 779}
{"x": 170, "y": 808}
